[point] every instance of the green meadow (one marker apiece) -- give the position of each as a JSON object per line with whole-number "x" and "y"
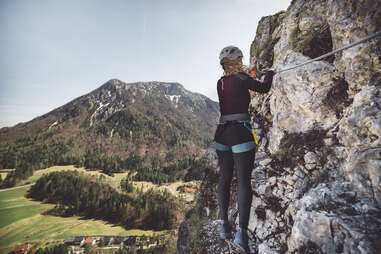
{"x": 4, "y": 172}
{"x": 22, "y": 219}
{"x": 38, "y": 173}
{"x": 113, "y": 181}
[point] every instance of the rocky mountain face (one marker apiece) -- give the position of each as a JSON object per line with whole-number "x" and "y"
{"x": 148, "y": 119}
{"x": 317, "y": 176}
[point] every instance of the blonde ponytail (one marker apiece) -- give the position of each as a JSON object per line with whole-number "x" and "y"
{"x": 232, "y": 66}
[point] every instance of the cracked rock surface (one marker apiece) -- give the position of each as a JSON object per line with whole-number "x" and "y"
{"x": 317, "y": 176}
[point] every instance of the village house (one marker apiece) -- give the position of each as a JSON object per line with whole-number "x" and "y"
{"x": 118, "y": 239}
{"x": 90, "y": 241}
{"x": 21, "y": 249}
{"x": 74, "y": 240}
{"x": 130, "y": 240}
{"x": 107, "y": 240}
{"x": 190, "y": 190}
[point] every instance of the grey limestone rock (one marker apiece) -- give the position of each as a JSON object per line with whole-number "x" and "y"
{"x": 317, "y": 178}
{"x": 185, "y": 237}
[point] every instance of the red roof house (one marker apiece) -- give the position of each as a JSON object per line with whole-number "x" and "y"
{"x": 22, "y": 249}
{"x": 190, "y": 190}
{"x": 90, "y": 240}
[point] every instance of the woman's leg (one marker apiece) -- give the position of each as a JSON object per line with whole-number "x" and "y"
{"x": 244, "y": 163}
{"x": 225, "y": 159}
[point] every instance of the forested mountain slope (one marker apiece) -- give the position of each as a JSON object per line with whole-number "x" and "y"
{"x": 115, "y": 127}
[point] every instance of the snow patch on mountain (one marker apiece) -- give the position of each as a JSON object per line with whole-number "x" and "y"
{"x": 101, "y": 105}
{"x": 174, "y": 99}
{"x": 53, "y": 124}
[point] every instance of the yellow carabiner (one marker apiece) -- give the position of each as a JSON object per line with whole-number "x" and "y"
{"x": 254, "y": 135}
{"x": 255, "y": 140}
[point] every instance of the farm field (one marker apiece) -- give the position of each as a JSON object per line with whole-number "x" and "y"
{"x": 113, "y": 181}
{"x": 21, "y": 221}
{"x": 38, "y": 173}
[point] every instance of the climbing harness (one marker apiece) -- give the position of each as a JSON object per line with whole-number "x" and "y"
{"x": 326, "y": 55}
{"x": 240, "y": 118}
{"x": 254, "y": 135}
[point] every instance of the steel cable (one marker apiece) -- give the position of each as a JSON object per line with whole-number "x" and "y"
{"x": 330, "y": 53}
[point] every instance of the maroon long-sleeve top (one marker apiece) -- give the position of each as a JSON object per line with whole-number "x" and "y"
{"x": 233, "y": 91}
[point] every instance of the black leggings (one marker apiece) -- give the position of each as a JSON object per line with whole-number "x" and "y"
{"x": 243, "y": 163}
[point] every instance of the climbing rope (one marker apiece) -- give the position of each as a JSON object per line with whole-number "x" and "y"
{"x": 331, "y": 53}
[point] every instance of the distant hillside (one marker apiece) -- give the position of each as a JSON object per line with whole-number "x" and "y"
{"x": 153, "y": 122}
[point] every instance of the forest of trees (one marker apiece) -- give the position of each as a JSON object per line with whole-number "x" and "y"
{"x": 187, "y": 169}
{"x": 94, "y": 160}
{"x": 57, "y": 249}
{"x": 79, "y": 194}
{"x": 26, "y": 161}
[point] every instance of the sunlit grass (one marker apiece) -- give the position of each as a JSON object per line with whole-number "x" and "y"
{"x": 5, "y": 172}
{"x": 21, "y": 221}
{"x": 114, "y": 181}
{"x": 38, "y": 173}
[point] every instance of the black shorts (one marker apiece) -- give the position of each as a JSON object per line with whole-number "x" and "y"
{"x": 233, "y": 136}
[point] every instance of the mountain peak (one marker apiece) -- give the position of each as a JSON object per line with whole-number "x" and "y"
{"x": 115, "y": 81}
{"x": 169, "y": 88}
{"x": 132, "y": 115}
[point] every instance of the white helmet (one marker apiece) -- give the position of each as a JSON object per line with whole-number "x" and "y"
{"x": 231, "y": 52}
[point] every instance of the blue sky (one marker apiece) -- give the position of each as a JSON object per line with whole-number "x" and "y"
{"x": 52, "y": 52}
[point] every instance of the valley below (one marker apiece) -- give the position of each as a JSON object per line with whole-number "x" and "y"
{"x": 123, "y": 160}
{"x": 24, "y": 220}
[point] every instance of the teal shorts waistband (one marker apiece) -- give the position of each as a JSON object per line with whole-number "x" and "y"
{"x": 240, "y": 148}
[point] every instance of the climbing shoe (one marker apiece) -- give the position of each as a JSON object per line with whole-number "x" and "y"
{"x": 226, "y": 231}
{"x": 242, "y": 238}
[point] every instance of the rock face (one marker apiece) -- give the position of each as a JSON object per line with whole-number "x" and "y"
{"x": 317, "y": 175}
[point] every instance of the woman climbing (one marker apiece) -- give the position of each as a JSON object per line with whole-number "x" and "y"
{"x": 233, "y": 139}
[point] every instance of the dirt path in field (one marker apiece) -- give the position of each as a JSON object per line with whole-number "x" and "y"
{"x": 18, "y": 187}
